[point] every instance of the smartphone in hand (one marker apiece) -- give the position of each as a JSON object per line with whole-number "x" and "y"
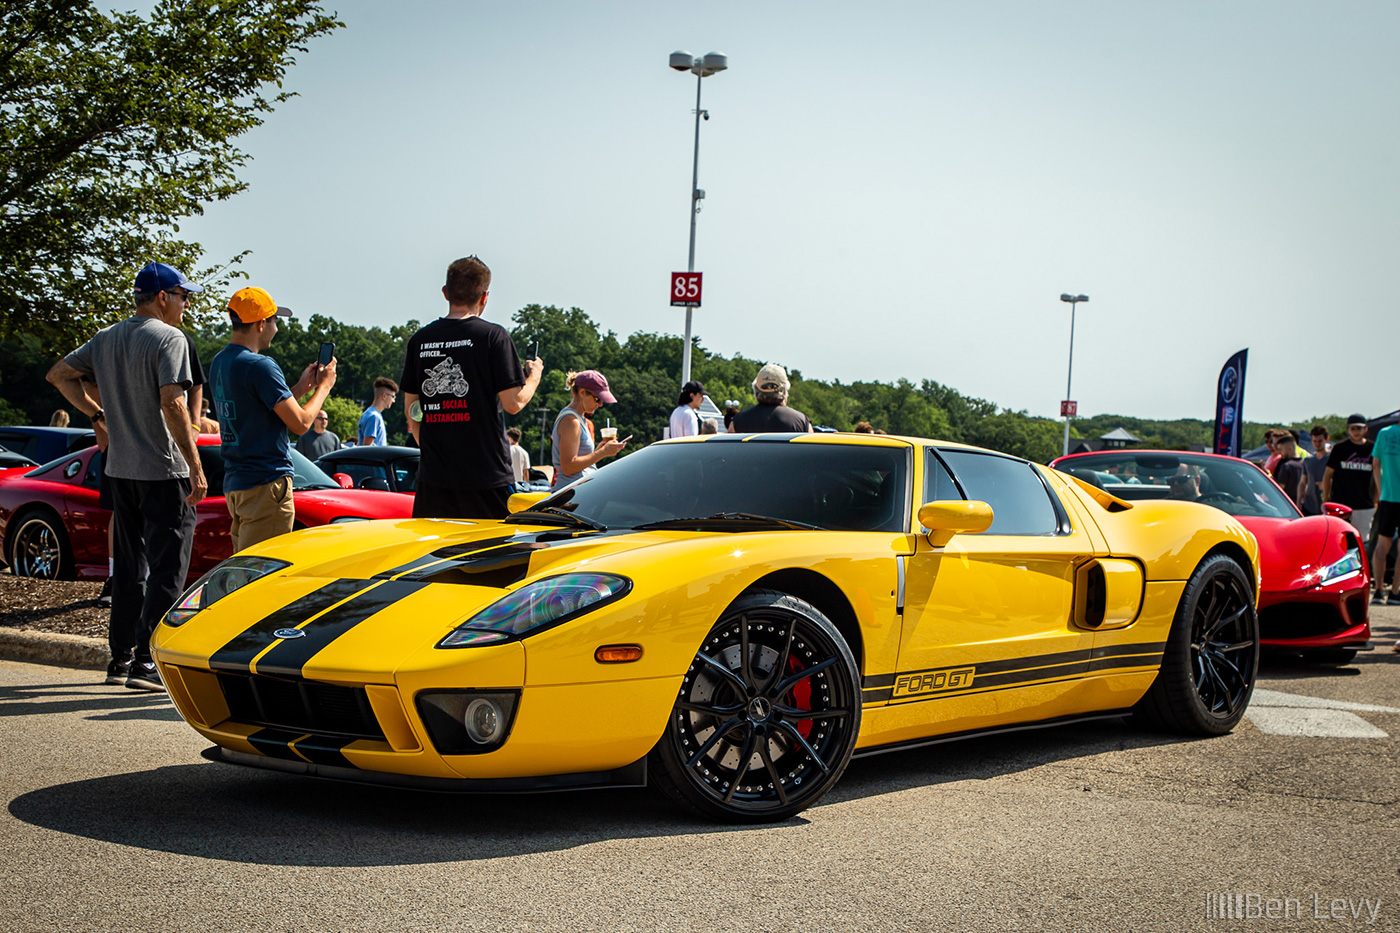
{"x": 327, "y": 354}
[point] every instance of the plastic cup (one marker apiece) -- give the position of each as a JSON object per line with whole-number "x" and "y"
{"x": 607, "y": 433}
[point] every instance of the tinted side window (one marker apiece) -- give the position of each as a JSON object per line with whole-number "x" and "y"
{"x": 1020, "y": 502}
{"x": 359, "y": 471}
{"x": 406, "y": 474}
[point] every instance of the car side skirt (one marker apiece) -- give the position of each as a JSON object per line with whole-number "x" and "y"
{"x": 993, "y": 730}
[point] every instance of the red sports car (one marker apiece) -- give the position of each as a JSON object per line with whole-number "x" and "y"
{"x": 51, "y": 525}
{"x": 1314, "y": 577}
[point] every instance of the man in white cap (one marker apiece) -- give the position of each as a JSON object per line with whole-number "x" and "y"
{"x": 256, "y": 407}
{"x": 772, "y": 413}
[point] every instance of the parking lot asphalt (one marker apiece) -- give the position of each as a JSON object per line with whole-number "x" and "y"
{"x": 113, "y": 821}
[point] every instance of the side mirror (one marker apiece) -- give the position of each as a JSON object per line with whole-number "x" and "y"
{"x": 520, "y": 501}
{"x": 947, "y": 517}
{"x": 1337, "y": 509}
{"x": 343, "y": 480}
{"x": 377, "y": 483}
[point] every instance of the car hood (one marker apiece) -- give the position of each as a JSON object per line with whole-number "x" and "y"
{"x": 1292, "y": 551}
{"x": 372, "y": 595}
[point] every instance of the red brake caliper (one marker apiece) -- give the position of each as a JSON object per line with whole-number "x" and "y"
{"x": 801, "y": 697}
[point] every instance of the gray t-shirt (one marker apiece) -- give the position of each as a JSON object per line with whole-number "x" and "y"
{"x": 130, "y": 362}
{"x": 314, "y": 446}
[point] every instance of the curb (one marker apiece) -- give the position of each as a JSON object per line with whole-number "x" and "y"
{"x": 54, "y": 648}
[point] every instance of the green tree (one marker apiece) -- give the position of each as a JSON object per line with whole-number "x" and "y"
{"x": 116, "y": 127}
{"x": 343, "y": 416}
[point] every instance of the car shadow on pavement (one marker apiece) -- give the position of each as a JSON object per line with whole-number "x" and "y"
{"x": 991, "y": 756}
{"x": 112, "y": 703}
{"x": 222, "y": 812}
{"x": 234, "y": 814}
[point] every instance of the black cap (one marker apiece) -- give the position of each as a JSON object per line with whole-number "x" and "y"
{"x": 1356, "y": 419}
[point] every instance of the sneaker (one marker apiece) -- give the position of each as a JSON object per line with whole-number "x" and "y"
{"x": 1393, "y": 599}
{"x": 105, "y": 599}
{"x": 144, "y": 677}
{"x": 1378, "y": 598}
{"x": 117, "y": 672}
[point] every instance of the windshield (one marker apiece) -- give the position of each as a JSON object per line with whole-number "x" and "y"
{"x": 307, "y": 475}
{"x": 856, "y": 487}
{"x": 1231, "y": 486}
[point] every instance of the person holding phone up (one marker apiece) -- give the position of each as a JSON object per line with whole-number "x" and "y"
{"x": 256, "y": 409}
{"x": 575, "y": 452}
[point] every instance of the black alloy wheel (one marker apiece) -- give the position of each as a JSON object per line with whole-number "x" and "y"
{"x": 1212, "y": 654}
{"x": 767, "y": 715}
{"x": 39, "y": 547}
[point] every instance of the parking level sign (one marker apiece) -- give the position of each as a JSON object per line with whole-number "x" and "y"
{"x": 685, "y": 289}
{"x": 1069, "y": 409}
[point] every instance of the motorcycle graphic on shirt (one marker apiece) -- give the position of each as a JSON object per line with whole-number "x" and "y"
{"x": 445, "y": 379}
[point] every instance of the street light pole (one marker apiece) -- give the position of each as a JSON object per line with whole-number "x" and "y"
{"x": 1069, "y": 379}
{"x": 711, "y": 63}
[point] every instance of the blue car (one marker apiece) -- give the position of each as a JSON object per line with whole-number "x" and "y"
{"x": 43, "y": 444}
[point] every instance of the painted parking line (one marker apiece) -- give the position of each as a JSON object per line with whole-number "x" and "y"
{"x": 1278, "y": 713}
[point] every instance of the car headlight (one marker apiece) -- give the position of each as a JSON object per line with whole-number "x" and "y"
{"x": 216, "y": 584}
{"x": 1347, "y": 566}
{"x": 540, "y": 605}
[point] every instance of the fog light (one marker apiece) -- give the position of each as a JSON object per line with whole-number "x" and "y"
{"x": 483, "y": 721}
{"x": 467, "y": 722}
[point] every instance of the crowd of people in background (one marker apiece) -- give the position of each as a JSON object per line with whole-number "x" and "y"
{"x": 462, "y": 375}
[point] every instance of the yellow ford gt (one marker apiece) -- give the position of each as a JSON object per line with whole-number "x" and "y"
{"x": 731, "y": 617}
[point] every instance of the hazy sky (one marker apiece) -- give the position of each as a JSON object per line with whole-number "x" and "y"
{"x": 893, "y": 189}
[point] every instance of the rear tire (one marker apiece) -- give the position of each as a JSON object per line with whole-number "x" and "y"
{"x": 1212, "y": 655}
{"x": 38, "y": 546}
{"x": 767, "y": 716}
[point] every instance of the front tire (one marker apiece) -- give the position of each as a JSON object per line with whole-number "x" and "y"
{"x": 1212, "y": 654}
{"x": 767, "y": 715}
{"x": 39, "y": 547}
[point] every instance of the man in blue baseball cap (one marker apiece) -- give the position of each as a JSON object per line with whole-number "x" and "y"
{"x": 141, "y": 367}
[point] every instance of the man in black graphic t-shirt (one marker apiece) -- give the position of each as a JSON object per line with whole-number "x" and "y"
{"x": 459, "y": 375}
{"x": 1348, "y": 480}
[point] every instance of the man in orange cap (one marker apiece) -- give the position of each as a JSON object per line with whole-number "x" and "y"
{"x": 256, "y": 409}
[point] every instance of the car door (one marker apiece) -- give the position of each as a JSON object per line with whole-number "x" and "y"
{"x": 989, "y": 617}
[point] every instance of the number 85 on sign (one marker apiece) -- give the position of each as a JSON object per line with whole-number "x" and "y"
{"x": 685, "y": 289}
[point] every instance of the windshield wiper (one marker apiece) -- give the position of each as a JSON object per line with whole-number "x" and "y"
{"x": 727, "y": 518}
{"x": 553, "y": 515}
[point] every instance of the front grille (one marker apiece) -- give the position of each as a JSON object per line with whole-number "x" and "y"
{"x": 1300, "y": 620}
{"x": 300, "y": 706}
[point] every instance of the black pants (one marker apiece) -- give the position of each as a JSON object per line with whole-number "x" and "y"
{"x": 433, "y": 501}
{"x": 154, "y": 531}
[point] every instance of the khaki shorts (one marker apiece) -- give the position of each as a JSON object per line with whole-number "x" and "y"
{"x": 260, "y": 513}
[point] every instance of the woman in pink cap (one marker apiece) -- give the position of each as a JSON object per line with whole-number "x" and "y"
{"x": 575, "y": 454}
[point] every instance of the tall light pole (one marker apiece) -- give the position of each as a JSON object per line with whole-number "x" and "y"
{"x": 711, "y": 63}
{"x": 1068, "y": 403}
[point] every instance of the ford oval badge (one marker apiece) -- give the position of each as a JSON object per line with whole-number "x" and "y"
{"x": 289, "y": 633}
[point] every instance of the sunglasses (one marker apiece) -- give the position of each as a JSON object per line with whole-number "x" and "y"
{"x": 183, "y": 295}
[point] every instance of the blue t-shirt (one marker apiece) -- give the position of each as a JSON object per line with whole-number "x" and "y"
{"x": 372, "y": 427}
{"x": 246, "y": 387}
{"x": 1387, "y": 451}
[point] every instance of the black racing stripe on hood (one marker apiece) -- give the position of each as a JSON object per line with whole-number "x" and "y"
{"x": 446, "y": 553}
{"x": 288, "y": 655}
{"x": 493, "y": 562}
{"x": 243, "y": 647}
{"x": 499, "y": 567}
